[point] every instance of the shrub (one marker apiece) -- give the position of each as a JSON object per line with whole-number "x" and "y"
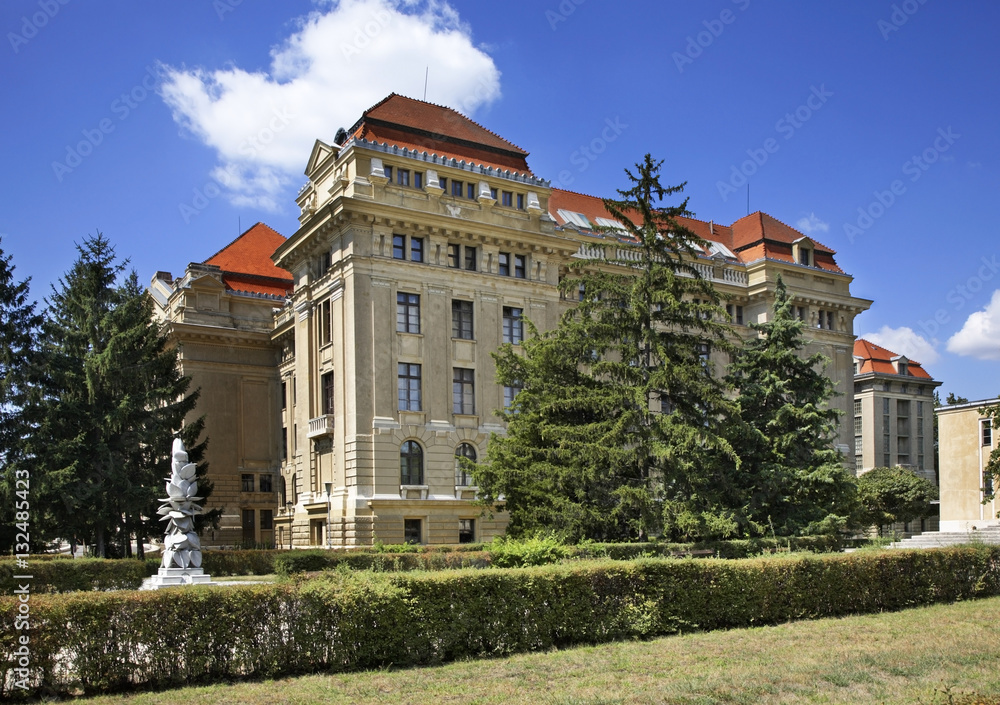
{"x": 537, "y": 550}
{"x": 106, "y": 642}
{"x": 80, "y": 574}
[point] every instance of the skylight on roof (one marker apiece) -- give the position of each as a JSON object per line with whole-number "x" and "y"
{"x": 717, "y": 248}
{"x": 609, "y": 223}
{"x": 574, "y": 218}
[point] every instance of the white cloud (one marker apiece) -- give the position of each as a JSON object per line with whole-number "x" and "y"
{"x": 344, "y": 57}
{"x": 905, "y": 341}
{"x": 810, "y": 225}
{"x": 980, "y": 335}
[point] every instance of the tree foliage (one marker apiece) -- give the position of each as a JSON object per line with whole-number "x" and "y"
{"x": 110, "y": 400}
{"x": 19, "y": 324}
{"x": 991, "y": 472}
{"x": 794, "y": 478}
{"x": 617, "y": 430}
{"x": 891, "y": 495}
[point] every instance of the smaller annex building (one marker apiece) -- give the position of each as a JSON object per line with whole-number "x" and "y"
{"x": 893, "y": 411}
{"x": 965, "y": 440}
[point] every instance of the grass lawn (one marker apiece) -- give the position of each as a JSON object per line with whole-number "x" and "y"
{"x": 941, "y": 654}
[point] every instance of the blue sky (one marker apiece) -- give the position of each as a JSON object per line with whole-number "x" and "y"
{"x": 871, "y": 125}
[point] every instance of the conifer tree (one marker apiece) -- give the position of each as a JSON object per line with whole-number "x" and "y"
{"x": 794, "y": 477}
{"x": 616, "y": 432}
{"x": 19, "y": 325}
{"x": 112, "y": 401}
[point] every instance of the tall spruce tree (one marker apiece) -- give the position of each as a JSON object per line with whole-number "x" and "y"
{"x": 19, "y": 324}
{"x": 794, "y": 477}
{"x": 112, "y": 401}
{"x": 616, "y": 432}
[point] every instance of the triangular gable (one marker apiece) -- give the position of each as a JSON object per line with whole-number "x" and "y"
{"x": 320, "y": 151}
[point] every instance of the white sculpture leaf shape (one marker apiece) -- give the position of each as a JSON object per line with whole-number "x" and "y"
{"x": 188, "y": 471}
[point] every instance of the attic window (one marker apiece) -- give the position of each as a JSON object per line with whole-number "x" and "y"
{"x": 574, "y": 218}
{"x": 902, "y": 367}
{"x": 609, "y": 223}
{"x": 804, "y": 256}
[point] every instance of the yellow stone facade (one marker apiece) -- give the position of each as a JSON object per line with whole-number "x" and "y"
{"x": 965, "y": 441}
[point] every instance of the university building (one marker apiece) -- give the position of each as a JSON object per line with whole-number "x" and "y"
{"x": 967, "y": 438}
{"x": 894, "y": 418}
{"x": 347, "y": 369}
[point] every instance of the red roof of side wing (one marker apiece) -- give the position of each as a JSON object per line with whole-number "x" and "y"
{"x": 246, "y": 263}
{"x": 875, "y": 358}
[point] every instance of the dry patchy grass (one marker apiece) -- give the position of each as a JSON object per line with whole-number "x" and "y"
{"x": 935, "y": 655}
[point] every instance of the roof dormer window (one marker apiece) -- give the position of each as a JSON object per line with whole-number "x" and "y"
{"x": 805, "y": 258}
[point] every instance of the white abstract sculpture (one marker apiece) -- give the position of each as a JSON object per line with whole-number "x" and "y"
{"x": 181, "y": 563}
{"x": 181, "y": 546}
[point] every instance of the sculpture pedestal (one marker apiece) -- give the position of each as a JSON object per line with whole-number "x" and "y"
{"x": 176, "y": 577}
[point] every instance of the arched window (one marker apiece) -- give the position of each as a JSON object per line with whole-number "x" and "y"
{"x": 462, "y": 477}
{"x": 283, "y": 494}
{"x": 411, "y": 464}
{"x": 295, "y": 489}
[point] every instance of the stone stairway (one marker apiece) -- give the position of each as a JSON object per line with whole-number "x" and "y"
{"x": 937, "y": 539}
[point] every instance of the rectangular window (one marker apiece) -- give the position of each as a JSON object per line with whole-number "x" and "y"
{"x": 987, "y": 483}
{"x": 987, "y": 433}
{"x": 509, "y": 392}
{"x": 416, "y": 249}
{"x": 800, "y": 313}
{"x": 463, "y": 391}
{"x": 399, "y": 247}
{"x": 885, "y": 407}
{"x": 246, "y": 483}
{"x": 284, "y": 395}
{"x": 520, "y": 201}
{"x": 461, "y": 319}
{"x": 327, "y": 382}
{"x": 454, "y": 255}
{"x": 804, "y": 257}
{"x": 507, "y": 199}
{"x": 418, "y": 179}
{"x": 470, "y": 258}
{"x": 265, "y": 483}
{"x": 266, "y": 519}
{"x": 403, "y": 177}
{"x": 471, "y": 190}
{"x": 407, "y": 312}
{"x": 284, "y": 444}
{"x": 387, "y": 170}
{"x": 704, "y": 351}
{"x": 443, "y": 183}
{"x": 520, "y": 270}
{"x": 504, "y": 264}
{"x": 457, "y": 188}
{"x": 409, "y": 387}
{"x": 513, "y": 325}
{"x": 466, "y": 530}
{"x": 412, "y": 530}
{"x": 735, "y": 313}
{"x": 324, "y": 323}
{"x": 857, "y": 418}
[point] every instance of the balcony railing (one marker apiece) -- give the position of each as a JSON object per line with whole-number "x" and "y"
{"x": 320, "y": 426}
{"x": 728, "y": 274}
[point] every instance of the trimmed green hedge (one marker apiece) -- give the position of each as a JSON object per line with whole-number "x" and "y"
{"x": 79, "y": 574}
{"x": 107, "y": 642}
{"x": 309, "y": 561}
{"x": 98, "y": 574}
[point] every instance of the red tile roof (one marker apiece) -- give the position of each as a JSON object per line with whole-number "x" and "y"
{"x": 246, "y": 263}
{"x": 875, "y": 358}
{"x": 777, "y": 238}
{"x": 416, "y": 124}
{"x": 751, "y": 238}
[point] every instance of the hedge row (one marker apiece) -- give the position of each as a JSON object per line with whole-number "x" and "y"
{"x": 68, "y": 575}
{"x": 108, "y": 642}
{"x": 79, "y": 574}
